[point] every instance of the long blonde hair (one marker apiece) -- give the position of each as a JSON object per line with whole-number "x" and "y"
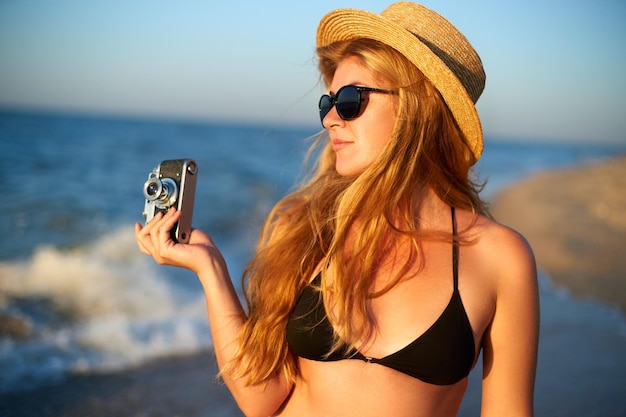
{"x": 376, "y": 209}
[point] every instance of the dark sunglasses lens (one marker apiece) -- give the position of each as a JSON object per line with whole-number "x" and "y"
{"x": 325, "y": 106}
{"x": 348, "y": 102}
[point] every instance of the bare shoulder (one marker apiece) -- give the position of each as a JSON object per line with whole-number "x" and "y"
{"x": 503, "y": 262}
{"x": 505, "y": 254}
{"x": 501, "y": 238}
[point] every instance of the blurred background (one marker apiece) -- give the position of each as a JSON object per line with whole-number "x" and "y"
{"x": 93, "y": 95}
{"x": 554, "y": 69}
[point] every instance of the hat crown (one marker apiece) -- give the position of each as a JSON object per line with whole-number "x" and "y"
{"x": 432, "y": 44}
{"x": 444, "y": 40}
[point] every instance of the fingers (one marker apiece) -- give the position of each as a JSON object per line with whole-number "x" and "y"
{"x": 142, "y": 235}
{"x": 160, "y": 235}
{"x": 155, "y": 236}
{"x": 139, "y": 239}
{"x": 155, "y": 239}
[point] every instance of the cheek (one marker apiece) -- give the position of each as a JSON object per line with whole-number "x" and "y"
{"x": 381, "y": 134}
{"x": 378, "y": 144}
{"x": 373, "y": 147}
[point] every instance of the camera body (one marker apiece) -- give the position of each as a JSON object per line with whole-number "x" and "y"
{"x": 172, "y": 184}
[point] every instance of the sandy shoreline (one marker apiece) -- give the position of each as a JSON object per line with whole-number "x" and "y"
{"x": 575, "y": 219}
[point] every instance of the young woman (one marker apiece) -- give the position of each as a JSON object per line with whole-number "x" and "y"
{"x": 376, "y": 284}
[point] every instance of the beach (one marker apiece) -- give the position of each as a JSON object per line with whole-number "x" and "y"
{"x": 575, "y": 220}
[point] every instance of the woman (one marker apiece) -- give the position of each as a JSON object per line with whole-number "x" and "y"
{"x": 376, "y": 284}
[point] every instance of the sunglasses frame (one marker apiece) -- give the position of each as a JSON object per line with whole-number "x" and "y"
{"x": 332, "y": 98}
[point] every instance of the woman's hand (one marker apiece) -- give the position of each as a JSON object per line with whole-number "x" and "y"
{"x": 226, "y": 315}
{"x": 155, "y": 239}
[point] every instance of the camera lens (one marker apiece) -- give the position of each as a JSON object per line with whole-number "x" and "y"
{"x": 152, "y": 189}
{"x": 160, "y": 192}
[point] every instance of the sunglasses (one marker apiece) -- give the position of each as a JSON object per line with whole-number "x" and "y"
{"x": 347, "y": 101}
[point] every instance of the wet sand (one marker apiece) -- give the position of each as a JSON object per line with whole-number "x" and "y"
{"x": 575, "y": 220}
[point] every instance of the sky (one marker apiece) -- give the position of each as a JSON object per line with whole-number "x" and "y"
{"x": 555, "y": 68}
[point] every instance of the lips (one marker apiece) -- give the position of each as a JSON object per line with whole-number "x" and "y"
{"x": 339, "y": 144}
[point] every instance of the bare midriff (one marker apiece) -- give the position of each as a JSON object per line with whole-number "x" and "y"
{"x": 357, "y": 388}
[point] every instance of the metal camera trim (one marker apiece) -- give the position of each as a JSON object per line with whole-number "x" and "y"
{"x": 175, "y": 182}
{"x": 166, "y": 192}
{"x": 153, "y": 177}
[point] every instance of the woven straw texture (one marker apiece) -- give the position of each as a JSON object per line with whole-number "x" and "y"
{"x": 430, "y": 42}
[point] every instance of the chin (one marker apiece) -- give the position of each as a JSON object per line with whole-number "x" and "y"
{"x": 345, "y": 172}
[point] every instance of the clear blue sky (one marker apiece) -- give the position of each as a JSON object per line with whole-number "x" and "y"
{"x": 555, "y": 68}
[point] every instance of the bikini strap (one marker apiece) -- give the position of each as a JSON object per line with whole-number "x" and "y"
{"x": 455, "y": 252}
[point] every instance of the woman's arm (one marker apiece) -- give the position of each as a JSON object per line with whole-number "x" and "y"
{"x": 226, "y": 315}
{"x": 510, "y": 342}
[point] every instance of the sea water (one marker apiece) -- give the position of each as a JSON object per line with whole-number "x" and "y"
{"x": 76, "y": 295}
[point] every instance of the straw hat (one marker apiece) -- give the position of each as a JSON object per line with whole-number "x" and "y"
{"x": 430, "y": 42}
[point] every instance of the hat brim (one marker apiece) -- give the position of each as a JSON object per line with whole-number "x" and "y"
{"x": 347, "y": 24}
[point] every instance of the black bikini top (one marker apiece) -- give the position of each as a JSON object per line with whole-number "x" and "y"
{"x": 442, "y": 355}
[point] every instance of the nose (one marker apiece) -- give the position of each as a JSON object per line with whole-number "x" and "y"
{"x": 332, "y": 118}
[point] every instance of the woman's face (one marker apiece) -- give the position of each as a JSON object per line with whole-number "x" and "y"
{"x": 357, "y": 143}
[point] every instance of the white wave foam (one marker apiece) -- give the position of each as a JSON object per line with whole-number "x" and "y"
{"x": 98, "y": 307}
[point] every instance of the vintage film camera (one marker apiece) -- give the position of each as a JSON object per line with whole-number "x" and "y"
{"x": 172, "y": 184}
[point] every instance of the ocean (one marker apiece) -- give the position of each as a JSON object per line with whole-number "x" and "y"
{"x": 77, "y": 296}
